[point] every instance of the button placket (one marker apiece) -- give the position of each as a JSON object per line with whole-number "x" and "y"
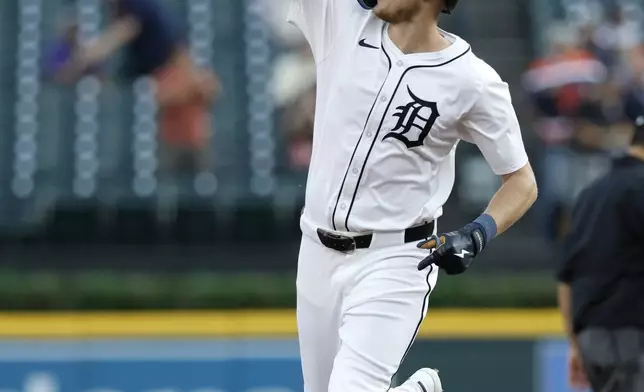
{"x": 372, "y": 126}
{"x": 351, "y": 181}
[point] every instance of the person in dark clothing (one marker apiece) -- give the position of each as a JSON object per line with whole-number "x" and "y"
{"x": 601, "y": 280}
{"x": 154, "y": 46}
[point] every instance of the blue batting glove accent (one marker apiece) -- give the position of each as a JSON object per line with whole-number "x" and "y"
{"x": 488, "y": 227}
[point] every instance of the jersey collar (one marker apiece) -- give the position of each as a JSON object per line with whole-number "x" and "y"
{"x": 457, "y": 48}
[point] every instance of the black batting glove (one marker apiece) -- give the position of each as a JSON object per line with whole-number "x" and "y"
{"x": 454, "y": 252}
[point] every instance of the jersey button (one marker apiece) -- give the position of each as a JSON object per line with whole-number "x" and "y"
{"x": 383, "y": 98}
{"x": 354, "y": 171}
{"x": 369, "y": 134}
{"x": 399, "y": 63}
{"x": 343, "y": 206}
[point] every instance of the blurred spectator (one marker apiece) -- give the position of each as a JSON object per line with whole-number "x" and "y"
{"x": 615, "y": 35}
{"x": 293, "y": 85}
{"x": 60, "y": 51}
{"x": 634, "y": 91}
{"x": 557, "y": 84}
{"x": 294, "y": 89}
{"x": 603, "y": 123}
{"x": 288, "y": 36}
{"x": 155, "y": 47}
{"x": 585, "y": 92}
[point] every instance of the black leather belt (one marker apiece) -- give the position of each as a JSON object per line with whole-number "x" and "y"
{"x": 343, "y": 243}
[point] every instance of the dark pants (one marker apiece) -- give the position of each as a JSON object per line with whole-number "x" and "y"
{"x": 613, "y": 359}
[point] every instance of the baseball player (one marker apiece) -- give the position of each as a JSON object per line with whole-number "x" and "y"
{"x": 395, "y": 95}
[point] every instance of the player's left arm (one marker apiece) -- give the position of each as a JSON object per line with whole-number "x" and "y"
{"x": 492, "y": 125}
{"x": 515, "y": 197}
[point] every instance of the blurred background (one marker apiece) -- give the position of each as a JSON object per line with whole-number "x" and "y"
{"x": 137, "y": 256}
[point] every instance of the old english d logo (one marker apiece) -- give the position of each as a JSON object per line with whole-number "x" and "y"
{"x": 417, "y": 115}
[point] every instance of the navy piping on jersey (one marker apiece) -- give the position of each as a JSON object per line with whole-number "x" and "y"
{"x": 359, "y": 140}
{"x": 373, "y": 142}
{"x": 420, "y": 322}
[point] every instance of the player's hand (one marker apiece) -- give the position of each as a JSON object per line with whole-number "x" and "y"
{"x": 453, "y": 252}
{"x": 576, "y": 373}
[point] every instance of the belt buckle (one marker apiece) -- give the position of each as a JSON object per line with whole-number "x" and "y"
{"x": 352, "y": 246}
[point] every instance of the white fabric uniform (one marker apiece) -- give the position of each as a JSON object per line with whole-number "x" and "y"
{"x": 386, "y": 130}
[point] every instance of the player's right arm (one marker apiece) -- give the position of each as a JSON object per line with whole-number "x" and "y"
{"x": 492, "y": 124}
{"x": 323, "y": 21}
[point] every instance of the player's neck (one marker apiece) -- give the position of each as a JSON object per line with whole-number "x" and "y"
{"x": 418, "y": 36}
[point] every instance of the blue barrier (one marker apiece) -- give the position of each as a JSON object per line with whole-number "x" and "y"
{"x": 150, "y": 366}
{"x": 552, "y": 366}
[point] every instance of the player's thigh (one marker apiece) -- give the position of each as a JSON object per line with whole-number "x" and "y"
{"x": 318, "y": 314}
{"x": 319, "y": 341}
{"x": 383, "y": 314}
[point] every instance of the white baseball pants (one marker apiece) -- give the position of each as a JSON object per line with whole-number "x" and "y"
{"x": 358, "y": 313}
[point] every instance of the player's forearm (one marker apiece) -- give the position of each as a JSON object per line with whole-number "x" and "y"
{"x": 515, "y": 197}
{"x": 563, "y": 297}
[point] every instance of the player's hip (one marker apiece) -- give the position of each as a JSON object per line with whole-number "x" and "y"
{"x": 344, "y": 242}
{"x": 354, "y": 216}
{"x": 326, "y": 276}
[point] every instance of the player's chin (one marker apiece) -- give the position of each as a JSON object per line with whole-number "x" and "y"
{"x": 388, "y": 11}
{"x": 384, "y": 13}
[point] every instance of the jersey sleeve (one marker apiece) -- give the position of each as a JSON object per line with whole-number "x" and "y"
{"x": 493, "y": 126}
{"x": 321, "y": 21}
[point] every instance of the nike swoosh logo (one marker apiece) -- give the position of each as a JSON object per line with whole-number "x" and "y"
{"x": 462, "y": 254}
{"x": 366, "y": 45}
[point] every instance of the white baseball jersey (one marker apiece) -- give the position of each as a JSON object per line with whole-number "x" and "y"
{"x": 387, "y": 123}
